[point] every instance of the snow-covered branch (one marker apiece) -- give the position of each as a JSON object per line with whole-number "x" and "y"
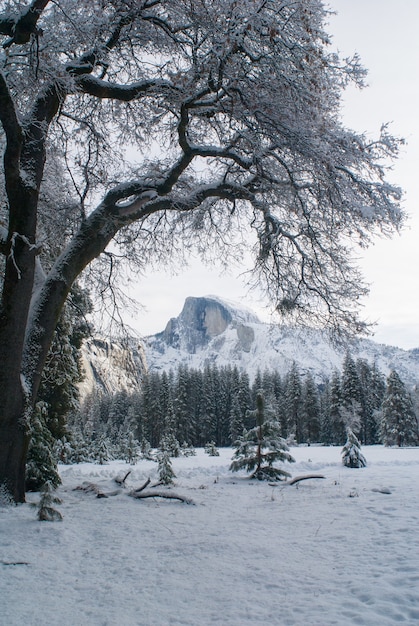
{"x": 22, "y": 28}
{"x": 104, "y": 89}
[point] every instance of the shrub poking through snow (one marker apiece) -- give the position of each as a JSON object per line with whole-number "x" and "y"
{"x": 258, "y": 448}
{"x": 351, "y": 451}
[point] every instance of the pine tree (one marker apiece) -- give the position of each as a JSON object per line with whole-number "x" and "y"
{"x": 58, "y": 393}
{"x": 261, "y": 446}
{"x": 335, "y": 405}
{"x": 145, "y": 450}
{"x": 211, "y": 449}
{"x": 187, "y": 450}
{"x": 46, "y": 510}
{"x": 325, "y": 421}
{"x": 351, "y": 388}
{"x": 399, "y": 425}
{"x": 165, "y": 469}
{"x": 293, "y": 403}
{"x": 42, "y": 463}
{"x": 236, "y": 418}
{"x": 351, "y": 451}
{"x": 102, "y": 450}
{"x": 170, "y": 444}
{"x": 130, "y": 449}
{"x": 311, "y": 409}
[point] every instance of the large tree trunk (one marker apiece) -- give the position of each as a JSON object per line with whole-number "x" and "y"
{"x": 27, "y": 332}
{"x": 14, "y": 441}
{"x": 14, "y": 389}
{"x": 24, "y": 160}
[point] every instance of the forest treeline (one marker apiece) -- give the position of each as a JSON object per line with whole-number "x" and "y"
{"x": 216, "y": 403}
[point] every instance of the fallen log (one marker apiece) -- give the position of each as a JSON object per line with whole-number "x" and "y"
{"x": 297, "y": 479}
{"x": 138, "y": 494}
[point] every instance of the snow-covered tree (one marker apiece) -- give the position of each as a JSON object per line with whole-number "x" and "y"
{"x": 165, "y": 469}
{"x": 195, "y": 123}
{"x": 260, "y": 447}
{"x": 399, "y": 425}
{"x": 102, "y": 450}
{"x": 187, "y": 450}
{"x": 170, "y": 444}
{"x": 46, "y": 509}
{"x": 42, "y": 462}
{"x": 294, "y": 403}
{"x": 211, "y": 449}
{"x": 351, "y": 451}
{"x": 311, "y": 409}
{"x": 130, "y": 449}
{"x": 337, "y": 423}
{"x": 146, "y": 450}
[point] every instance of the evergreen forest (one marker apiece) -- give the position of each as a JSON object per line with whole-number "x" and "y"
{"x": 194, "y": 407}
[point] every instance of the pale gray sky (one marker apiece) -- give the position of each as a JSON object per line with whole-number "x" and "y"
{"x": 384, "y": 33}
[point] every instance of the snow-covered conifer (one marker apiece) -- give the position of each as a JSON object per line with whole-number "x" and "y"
{"x": 187, "y": 450}
{"x": 42, "y": 462}
{"x": 165, "y": 469}
{"x": 102, "y": 450}
{"x": 46, "y": 510}
{"x": 170, "y": 444}
{"x": 130, "y": 449}
{"x": 260, "y": 447}
{"x": 399, "y": 425}
{"x": 351, "y": 451}
{"x": 211, "y": 449}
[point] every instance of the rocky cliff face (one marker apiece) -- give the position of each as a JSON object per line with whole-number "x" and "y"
{"x": 112, "y": 366}
{"x": 211, "y": 330}
{"x": 204, "y": 319}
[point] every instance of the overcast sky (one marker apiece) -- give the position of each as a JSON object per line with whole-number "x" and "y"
{"x": 385, "y": 35}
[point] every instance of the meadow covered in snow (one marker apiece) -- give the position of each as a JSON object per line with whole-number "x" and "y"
{"x": 342, "y": 550}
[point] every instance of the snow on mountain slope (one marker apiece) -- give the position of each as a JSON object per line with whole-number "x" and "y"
{"x": 210, "y": 330}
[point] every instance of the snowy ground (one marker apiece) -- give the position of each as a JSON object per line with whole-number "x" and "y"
{"x": 333, "y": 551}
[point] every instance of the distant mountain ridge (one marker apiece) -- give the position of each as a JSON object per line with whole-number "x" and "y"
{"x": 212, "y": 330}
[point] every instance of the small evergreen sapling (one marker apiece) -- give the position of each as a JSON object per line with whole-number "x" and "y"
{"x": 166, "y": 473}
{"x": 145, "y": 450}
{"x": 351, "y": 451}
{"x": 46, "y": 510}
{"x": 258, "y": 448}
{"x": 129, "y": 449}
{"x": 170, "y": 444}
{"x": 211, "y": 449}
{"x": 187, "y": 450}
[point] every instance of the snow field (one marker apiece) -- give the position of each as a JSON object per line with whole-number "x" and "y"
{"x": 318, "y": 553}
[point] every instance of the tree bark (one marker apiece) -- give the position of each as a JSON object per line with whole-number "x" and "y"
{"x": 24, "y": 161}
